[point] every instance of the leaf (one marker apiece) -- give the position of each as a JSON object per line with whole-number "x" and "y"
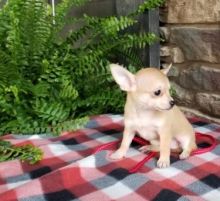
{"x": 27, "y": 153}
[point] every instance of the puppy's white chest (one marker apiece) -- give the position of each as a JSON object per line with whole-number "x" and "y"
{"x": 145, "y": 127}
{"x": 148, "y": 133}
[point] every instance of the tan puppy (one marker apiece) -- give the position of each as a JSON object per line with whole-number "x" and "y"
{"x": 150, "y": 111}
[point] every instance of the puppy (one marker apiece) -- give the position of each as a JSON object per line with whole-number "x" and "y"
{"x": 151, "y": 112}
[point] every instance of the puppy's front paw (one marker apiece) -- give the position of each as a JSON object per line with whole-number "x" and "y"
{"x": 119, "y": 154}
{"x": 163, "y": 163}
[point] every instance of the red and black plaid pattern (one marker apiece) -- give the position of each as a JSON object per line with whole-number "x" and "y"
{"x": 69, "y": 170}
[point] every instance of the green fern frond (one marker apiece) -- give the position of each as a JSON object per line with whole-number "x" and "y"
{"x": 70, "y": 92}
{"x": 48, "y": 82}
{"x": 140, "y": 40}
{"x": 70, "y": 125}
{"x": 112, "y": 25}
{"x": 131, "y": 56}
{"x": 52, "y": 111}
{"x": 112, "y": 99}
{"x": 147, "y": 5}
{"x": 27, "y": 153}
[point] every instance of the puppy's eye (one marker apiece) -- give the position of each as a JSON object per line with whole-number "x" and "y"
{"x": 157, "y": 93}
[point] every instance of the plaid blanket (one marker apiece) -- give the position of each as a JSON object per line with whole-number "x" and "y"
{"x": 70, "y": 170}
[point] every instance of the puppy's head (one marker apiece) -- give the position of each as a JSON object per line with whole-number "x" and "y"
{"x": 149, "y": 88}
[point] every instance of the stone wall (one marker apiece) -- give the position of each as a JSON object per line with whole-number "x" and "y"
{"x": 191, "y": 32}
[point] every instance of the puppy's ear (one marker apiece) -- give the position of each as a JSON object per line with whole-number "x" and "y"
{"x": 166, "y": 70}
{"x": 123, "y": 77}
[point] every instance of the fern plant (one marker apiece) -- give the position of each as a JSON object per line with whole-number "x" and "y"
{"x": 51, "y": 83}
{"x": 27, "y": 153}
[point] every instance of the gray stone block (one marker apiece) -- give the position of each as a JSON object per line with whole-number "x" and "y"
{"x": 175, "y": 53}
{"x": 209, "y": 103}
{"x": 197, "y": 43}
{"x": 165, "y": 33}
{"x": 174, "y": 71}
{"x": 194, "y": 11}
{"x": 201, "y": 77}
{"x": 182, "y": 96}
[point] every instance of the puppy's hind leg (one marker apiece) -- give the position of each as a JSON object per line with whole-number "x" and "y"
{"x": 153, "y": 146}
{"x": 188, "y": 147}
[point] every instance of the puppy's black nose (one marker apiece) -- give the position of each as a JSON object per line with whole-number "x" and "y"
{"x": 172, "y": 103}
